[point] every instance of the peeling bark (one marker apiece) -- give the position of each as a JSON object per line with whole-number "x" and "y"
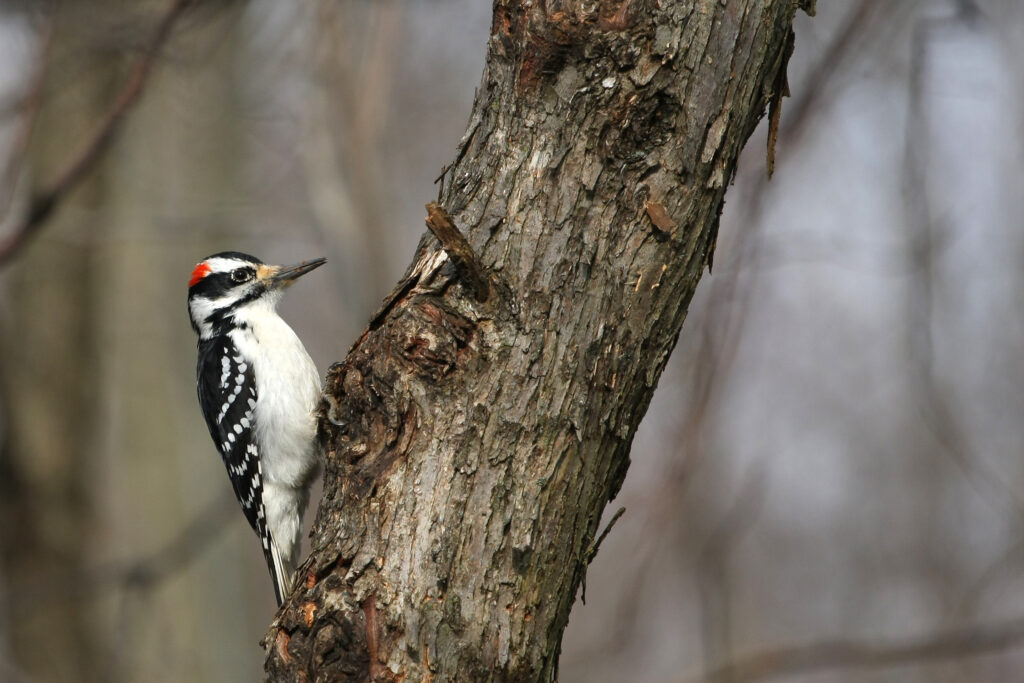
{"x": 471, "y": 445}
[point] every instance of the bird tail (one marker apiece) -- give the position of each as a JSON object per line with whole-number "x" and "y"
{"x": 281, "y": 571}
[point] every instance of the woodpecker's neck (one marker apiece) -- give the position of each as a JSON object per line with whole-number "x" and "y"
{"x": 214, "y": 317}
{"x": 255, "y": 313}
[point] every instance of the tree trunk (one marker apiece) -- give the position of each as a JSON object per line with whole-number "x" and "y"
{"x": 471, "y": 445}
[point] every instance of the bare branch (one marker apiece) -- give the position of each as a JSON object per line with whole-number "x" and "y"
{"x": 139, "y": 574}
{"x": 591, "y": 553}
{"x": 29, "y": 107}
{"x": 47, "y": 199}
{"x": 858, "y": 654}
{"x": 713, "y": 565}
{"x": 926, "y": 235}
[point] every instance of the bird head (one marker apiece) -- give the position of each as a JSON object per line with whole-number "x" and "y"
{"x": 228, "y": 283}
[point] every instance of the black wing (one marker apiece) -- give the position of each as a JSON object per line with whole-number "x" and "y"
{"x": 227, "y": 396}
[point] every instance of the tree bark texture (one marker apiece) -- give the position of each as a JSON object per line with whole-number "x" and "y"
{"x": 471, "y": 445}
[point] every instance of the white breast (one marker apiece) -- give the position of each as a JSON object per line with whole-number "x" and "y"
{"x": 288, "y": 389}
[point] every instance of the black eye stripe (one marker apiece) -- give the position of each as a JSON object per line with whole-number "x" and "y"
{"x": 215, "y": 285}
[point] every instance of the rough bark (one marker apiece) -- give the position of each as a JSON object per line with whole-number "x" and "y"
{"x": 471, "y": 446}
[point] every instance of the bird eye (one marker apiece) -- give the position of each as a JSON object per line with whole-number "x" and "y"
{"x": 240, "y": 274}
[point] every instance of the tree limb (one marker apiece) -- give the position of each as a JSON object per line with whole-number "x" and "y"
{"x": 471, "y": 446}
{"x": 44, "y": 201}
{"x": 142, "y": 573}
{"x": 29, "y": 106}
{"x": 861, "y": 654}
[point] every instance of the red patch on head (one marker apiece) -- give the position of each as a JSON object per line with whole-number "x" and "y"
{"x": 201, "y": 271}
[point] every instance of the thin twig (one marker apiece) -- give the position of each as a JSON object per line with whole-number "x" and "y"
{"x": 180, "y": 550}
{"x": 46, "y": 200}
{"x": 139, "y": 574}
{"x": 926, "y": 235}
{"x": 712, "y": 571}
{"x": 592, "y": 551}
{"x": 458, "y": 250}
{"x": 30, "y": 109}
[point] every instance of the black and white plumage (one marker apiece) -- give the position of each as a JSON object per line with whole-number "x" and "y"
{"x": 258, "y": 389}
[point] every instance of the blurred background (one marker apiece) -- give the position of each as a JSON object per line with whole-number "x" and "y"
{"x": 829, "y": 485}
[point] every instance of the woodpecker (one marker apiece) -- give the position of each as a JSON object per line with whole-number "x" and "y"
{"x": 257, "y": 389}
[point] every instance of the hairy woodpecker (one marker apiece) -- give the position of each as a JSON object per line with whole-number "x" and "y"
{"x": 258, "y": 388}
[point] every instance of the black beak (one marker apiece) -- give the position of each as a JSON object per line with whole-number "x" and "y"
{"x": 288, "y": 274}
